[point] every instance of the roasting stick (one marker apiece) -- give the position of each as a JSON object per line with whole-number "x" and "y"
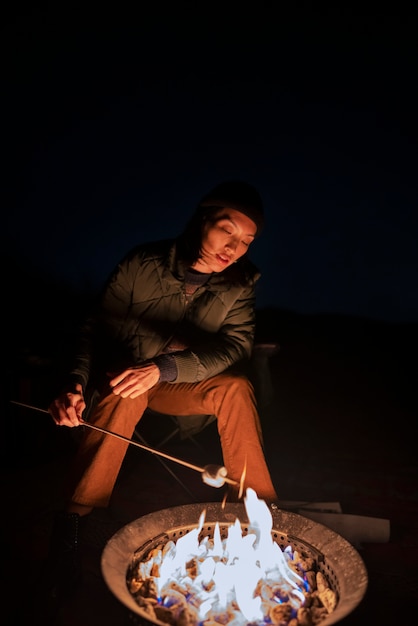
{"x": 217, "y": 479}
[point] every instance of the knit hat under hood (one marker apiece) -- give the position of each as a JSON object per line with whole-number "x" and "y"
{"x": 237, "y": 195}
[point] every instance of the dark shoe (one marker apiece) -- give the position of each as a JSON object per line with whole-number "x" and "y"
{"x": 64, "y": 554}
{"x": 62, "y": 573}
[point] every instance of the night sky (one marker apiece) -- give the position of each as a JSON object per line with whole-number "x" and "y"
{"x": 116, "y": 122}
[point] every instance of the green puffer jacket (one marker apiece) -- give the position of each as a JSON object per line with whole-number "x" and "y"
{"x": 143, "y": 306}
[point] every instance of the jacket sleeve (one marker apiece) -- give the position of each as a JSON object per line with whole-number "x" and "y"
{"x": 80, "y": 371}
{"x": 101, "y": 334}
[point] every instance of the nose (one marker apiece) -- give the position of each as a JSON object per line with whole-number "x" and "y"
{"x": 232, "y": 244}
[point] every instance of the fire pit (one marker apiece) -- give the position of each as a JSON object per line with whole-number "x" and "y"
{"x": 337, "y": 562}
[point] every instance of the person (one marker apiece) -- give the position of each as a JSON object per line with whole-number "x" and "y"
{"x": 168, "y": 331}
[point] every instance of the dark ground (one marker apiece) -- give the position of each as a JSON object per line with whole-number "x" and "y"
{"x": 340, "y": 428}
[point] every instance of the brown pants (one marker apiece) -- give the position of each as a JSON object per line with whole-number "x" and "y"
{"x": 229, "y": 397}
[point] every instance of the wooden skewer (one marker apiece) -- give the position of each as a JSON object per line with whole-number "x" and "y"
{"x": 133, "y": 443}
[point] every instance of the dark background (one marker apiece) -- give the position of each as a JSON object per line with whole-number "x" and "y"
{"x": 114, "y": 124}
{"x": 116, "y": 121}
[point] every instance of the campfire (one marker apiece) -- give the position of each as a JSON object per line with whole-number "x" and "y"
{"x": 243, "y": 578}
{"x": 233, "y": 565}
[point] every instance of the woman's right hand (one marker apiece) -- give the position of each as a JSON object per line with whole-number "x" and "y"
{"x": 68, "y": 407}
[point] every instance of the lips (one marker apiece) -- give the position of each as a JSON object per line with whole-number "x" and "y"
{"x": 223, "y": 259}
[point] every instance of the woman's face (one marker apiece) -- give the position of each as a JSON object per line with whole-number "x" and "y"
{"x": 226, "y": 236}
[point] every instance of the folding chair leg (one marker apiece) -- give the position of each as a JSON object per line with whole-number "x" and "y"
{"x": 167, "y": 467}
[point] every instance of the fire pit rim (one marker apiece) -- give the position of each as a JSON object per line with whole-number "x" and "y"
{"x": 119, "y": 551}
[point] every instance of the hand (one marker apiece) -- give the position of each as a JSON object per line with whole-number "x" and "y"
{"x": 67, "y": 409}
{"x": 134, "y": 381}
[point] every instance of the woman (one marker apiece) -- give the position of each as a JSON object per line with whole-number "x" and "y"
{"x": 173, "y": 320}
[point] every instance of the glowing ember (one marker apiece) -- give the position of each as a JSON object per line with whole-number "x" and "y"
{"x": 241, "y": 579}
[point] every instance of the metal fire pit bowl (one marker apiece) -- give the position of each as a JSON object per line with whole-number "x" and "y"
{"x": 335, "y": 557}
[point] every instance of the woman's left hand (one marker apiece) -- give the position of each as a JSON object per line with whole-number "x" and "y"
{"x": 135, "y": 381}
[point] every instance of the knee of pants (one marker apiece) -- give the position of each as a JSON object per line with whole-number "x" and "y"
{"x": 236, "y": 386}
{"x": 240, "y": 383}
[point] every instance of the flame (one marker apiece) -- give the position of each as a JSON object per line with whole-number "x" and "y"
{"x": 242, "y": 481}
{"x": 242, "y": 576}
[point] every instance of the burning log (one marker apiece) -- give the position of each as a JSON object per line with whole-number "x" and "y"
{"x": 280, "y": 614}
{"x": 325, "y": 594}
